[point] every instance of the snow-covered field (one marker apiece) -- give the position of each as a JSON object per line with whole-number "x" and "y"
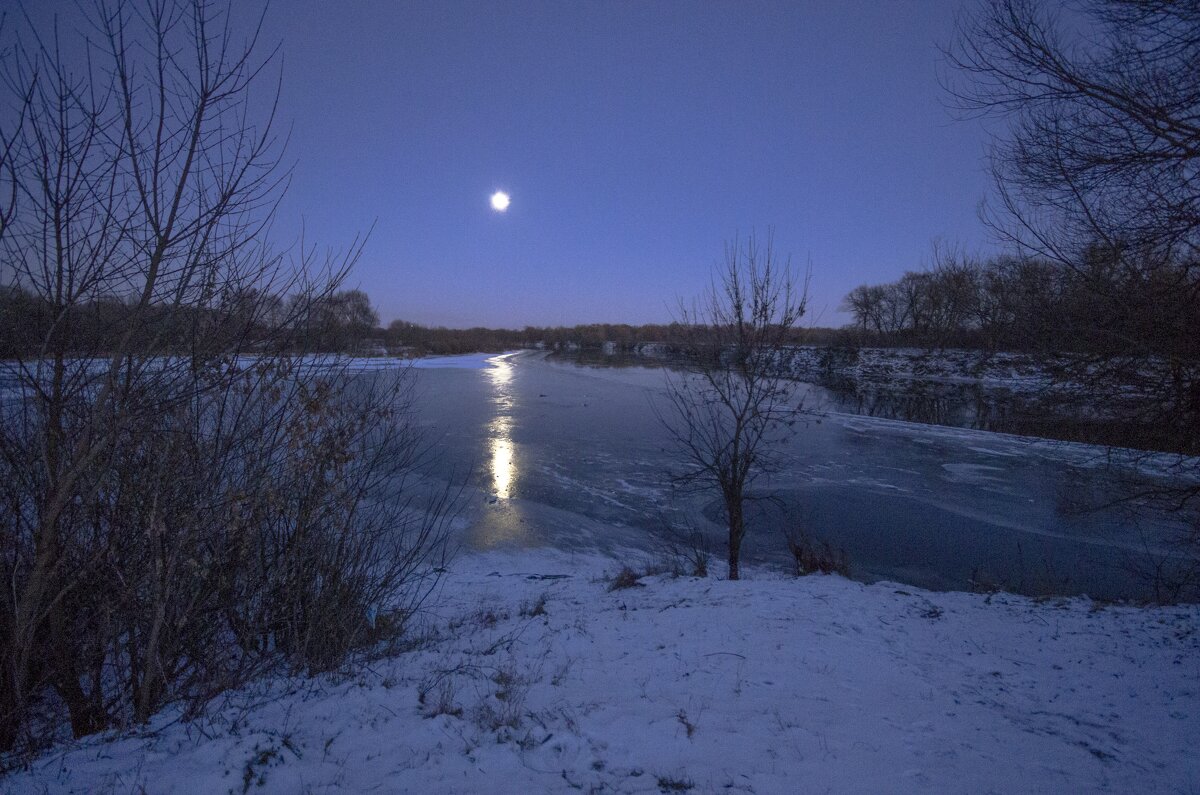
{"x": 770, "y": 684}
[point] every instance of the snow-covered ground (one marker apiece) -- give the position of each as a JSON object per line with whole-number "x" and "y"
{"x": 1015, "y": 371}
{"x": 1019, "y": 372}
{"x": 770, "y": 684}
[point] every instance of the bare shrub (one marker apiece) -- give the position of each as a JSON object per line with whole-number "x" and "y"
{"x": 674, "y": 783}
{"x": 342, "y": 538}
{"x": 810, "y": 556}
{"x": 984, "y": 582}
{"x": 440, "y": 699}
{"x": 211, "y": 551}
{"x": 187, "y": 501}
{"x": 503, "y": 710}
{"x": 535, "y": 608}
{"x": 685, "y": 552}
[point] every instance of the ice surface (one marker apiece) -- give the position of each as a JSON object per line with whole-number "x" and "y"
{"x": 580, "y": 447}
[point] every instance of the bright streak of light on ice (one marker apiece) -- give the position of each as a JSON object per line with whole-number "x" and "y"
{"x": 504, "y": 467}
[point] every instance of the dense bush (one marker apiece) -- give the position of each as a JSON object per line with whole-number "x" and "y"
{"x": 185, "y": 503}
{"x": 262, "y": 525}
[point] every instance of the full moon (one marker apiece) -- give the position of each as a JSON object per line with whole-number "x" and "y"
{"x": 500, "y": 201}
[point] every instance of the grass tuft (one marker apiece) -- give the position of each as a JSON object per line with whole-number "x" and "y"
{"x": 625, "y": 578}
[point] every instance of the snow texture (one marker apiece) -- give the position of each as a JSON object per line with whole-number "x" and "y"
{"x": 1018, "y": 372}
{"x": 770, "y": 684}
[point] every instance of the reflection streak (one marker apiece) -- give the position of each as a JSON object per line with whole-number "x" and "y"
{"x": 504, "y": 468}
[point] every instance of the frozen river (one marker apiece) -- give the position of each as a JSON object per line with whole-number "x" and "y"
{"x": 573, "y": 456}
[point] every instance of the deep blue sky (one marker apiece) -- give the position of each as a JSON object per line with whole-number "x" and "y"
{"x": 634, "y": 138}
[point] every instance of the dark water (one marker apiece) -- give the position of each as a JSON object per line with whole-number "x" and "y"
{"x": 575, "y": 456}
{"x": 992, "y": 408}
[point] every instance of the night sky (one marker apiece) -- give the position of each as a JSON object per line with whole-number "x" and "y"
{"x": 634, "y": 139}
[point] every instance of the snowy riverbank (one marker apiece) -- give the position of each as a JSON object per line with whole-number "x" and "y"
{"x": 771, "y": 684}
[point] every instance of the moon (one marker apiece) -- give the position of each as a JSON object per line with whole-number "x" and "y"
{"x": 500, "y": 201}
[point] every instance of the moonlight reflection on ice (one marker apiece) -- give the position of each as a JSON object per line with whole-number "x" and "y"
{"x": 504, "y": 521}
{"x": 503, "y": 465}
{"x": 500, "y": 429}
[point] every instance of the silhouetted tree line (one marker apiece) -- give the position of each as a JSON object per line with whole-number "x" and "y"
{"x": 338, "y": 322}
{"x": 622, "y": 338}
{"x": 447, "y": 341}
{"x": 1109, "y": 303}
{"x": 1119, "y": 337}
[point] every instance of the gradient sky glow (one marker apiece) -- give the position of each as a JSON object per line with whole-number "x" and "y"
{"x": 634, "y": 139}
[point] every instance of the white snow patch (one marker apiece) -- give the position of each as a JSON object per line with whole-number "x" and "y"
{"x": 971, "y": 473}
{"x": 769, "y": 684}
{"x": 467, "y": 361}
{"x": 990, "y": 451}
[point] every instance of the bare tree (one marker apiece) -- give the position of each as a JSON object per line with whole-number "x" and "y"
{"x": 736, "y": 401}
{"x": 865, "y": 303}
{"x": 1099, "y": 172}
{"x": 185, "y": 502}
{"x": 1105, "y": 105}
{"x": 342, "y": 323}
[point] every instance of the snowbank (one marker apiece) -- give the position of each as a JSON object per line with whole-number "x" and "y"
{"x": 1018, "y": 372}
{"x": 770, "y": 684}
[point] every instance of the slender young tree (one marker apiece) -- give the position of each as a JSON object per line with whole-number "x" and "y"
{"x": 735, "y": 400}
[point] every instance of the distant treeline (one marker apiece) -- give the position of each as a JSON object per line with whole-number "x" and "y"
{"x": 1107, "y": 304}
{"x": 342, "y": 322}
{"x": 612, "y": 337}
{"x": 245, "y": 320}
{"x": 446, "y": 341}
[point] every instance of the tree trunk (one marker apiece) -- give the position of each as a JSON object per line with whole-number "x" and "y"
{"x": 86, "y": 710}
{"x": 10, "y": 707}
{"x": 733, "y": 507}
